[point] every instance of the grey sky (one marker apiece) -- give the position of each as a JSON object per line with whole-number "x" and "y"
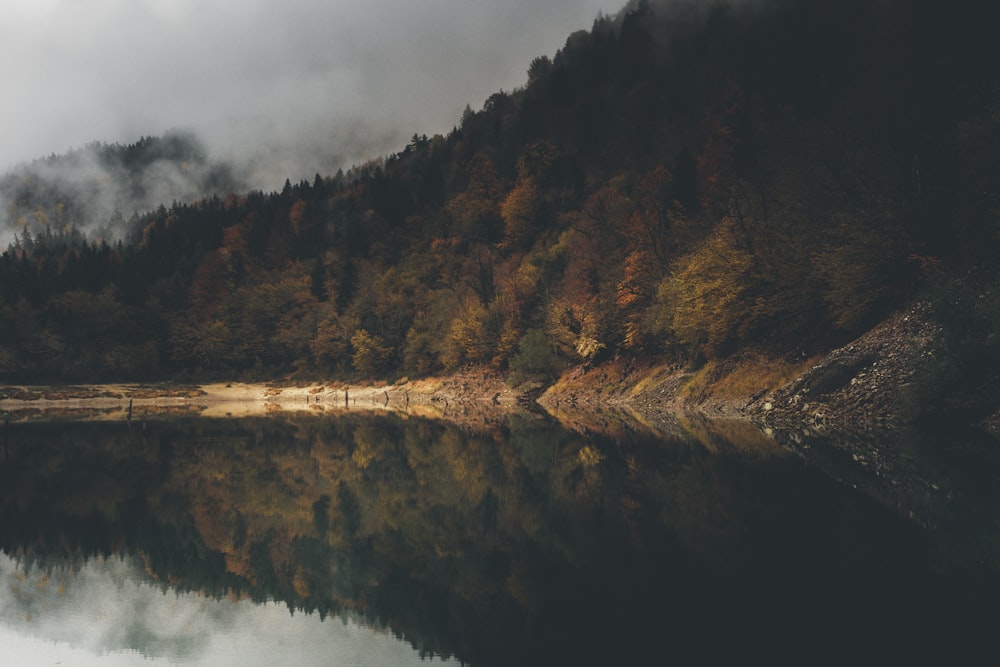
{"x": 296, "y": 86}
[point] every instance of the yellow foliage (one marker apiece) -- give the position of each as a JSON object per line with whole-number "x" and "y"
{"x": 519, "y": 212}
{"x": 470, "y": 339}
{"x": 705, "y": 300}
{"x": 589, "y": 456}
{"x": 370, "y": 355}
{"x": 588, "y": 347}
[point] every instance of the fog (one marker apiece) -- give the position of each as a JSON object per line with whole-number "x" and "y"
{"x": 280, "y": 89}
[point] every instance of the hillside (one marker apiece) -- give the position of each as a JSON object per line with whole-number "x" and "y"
{"x": 682, "y": 183}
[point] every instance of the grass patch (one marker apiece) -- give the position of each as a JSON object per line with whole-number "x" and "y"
{"x": 734, "y": 379}
{"x": 699, "y": 383}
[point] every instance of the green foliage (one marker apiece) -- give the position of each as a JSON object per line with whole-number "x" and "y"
{"x": 535, "y": 359}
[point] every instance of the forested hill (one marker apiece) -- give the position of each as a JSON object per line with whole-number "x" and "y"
{"x": 684, "y": 180}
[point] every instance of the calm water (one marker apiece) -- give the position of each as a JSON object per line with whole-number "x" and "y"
{"x": 386, "y": 540}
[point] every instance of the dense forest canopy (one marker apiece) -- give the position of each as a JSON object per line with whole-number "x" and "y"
{"x": 684, "y": 180}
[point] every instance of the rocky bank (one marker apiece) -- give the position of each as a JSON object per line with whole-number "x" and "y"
{"x": 870, "y": 384}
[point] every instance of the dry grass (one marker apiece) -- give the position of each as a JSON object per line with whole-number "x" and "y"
{"x": 737, "y": 379}
{"x": 653, "y": 379}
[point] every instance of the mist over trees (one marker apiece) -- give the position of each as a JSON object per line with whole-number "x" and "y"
{"x": 683, "y": 180}
{"x": 95, "y": 189}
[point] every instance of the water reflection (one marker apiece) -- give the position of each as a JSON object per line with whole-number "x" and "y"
{"x": 106, "y": 611}
{"x": 516, "y": 543}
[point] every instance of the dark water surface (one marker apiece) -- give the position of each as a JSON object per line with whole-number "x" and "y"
{"x": 387, "y": 540}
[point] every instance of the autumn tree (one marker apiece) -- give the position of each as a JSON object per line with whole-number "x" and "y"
{"x": 369, "y": 354}
{"x": 704, "y": 303}
{"x": 520, "y": 211}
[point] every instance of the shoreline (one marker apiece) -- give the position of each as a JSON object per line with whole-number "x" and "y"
{"x": 125, "y": 401}
{"x": 846, "y": 413}
{"x": 870, "y": 385}
{"x": 754, "y": 405}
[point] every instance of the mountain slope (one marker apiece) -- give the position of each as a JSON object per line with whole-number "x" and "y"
{"x": 681, "y": 182}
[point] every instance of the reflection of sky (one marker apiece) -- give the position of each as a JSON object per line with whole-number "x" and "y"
{"x": 107, "y": 613}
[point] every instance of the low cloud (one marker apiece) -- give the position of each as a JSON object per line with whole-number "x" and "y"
{"x": 283, "y": 90}
{"x": 95, "y": 189}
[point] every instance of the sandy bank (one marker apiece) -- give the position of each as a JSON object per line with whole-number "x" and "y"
{"x": 454, "y": 396}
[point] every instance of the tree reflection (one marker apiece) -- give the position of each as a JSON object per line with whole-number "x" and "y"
{"x": 519, "y": 543}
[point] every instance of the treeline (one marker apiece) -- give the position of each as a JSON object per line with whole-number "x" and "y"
{"x": 683, "y": 179}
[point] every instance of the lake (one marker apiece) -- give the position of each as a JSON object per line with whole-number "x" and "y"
{"x": 388, "y": 539}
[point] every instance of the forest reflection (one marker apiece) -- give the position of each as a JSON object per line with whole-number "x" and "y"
{"x": 518, "y": 542}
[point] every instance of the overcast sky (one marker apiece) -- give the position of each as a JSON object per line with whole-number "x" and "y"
{"x": 302, "y": 86}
